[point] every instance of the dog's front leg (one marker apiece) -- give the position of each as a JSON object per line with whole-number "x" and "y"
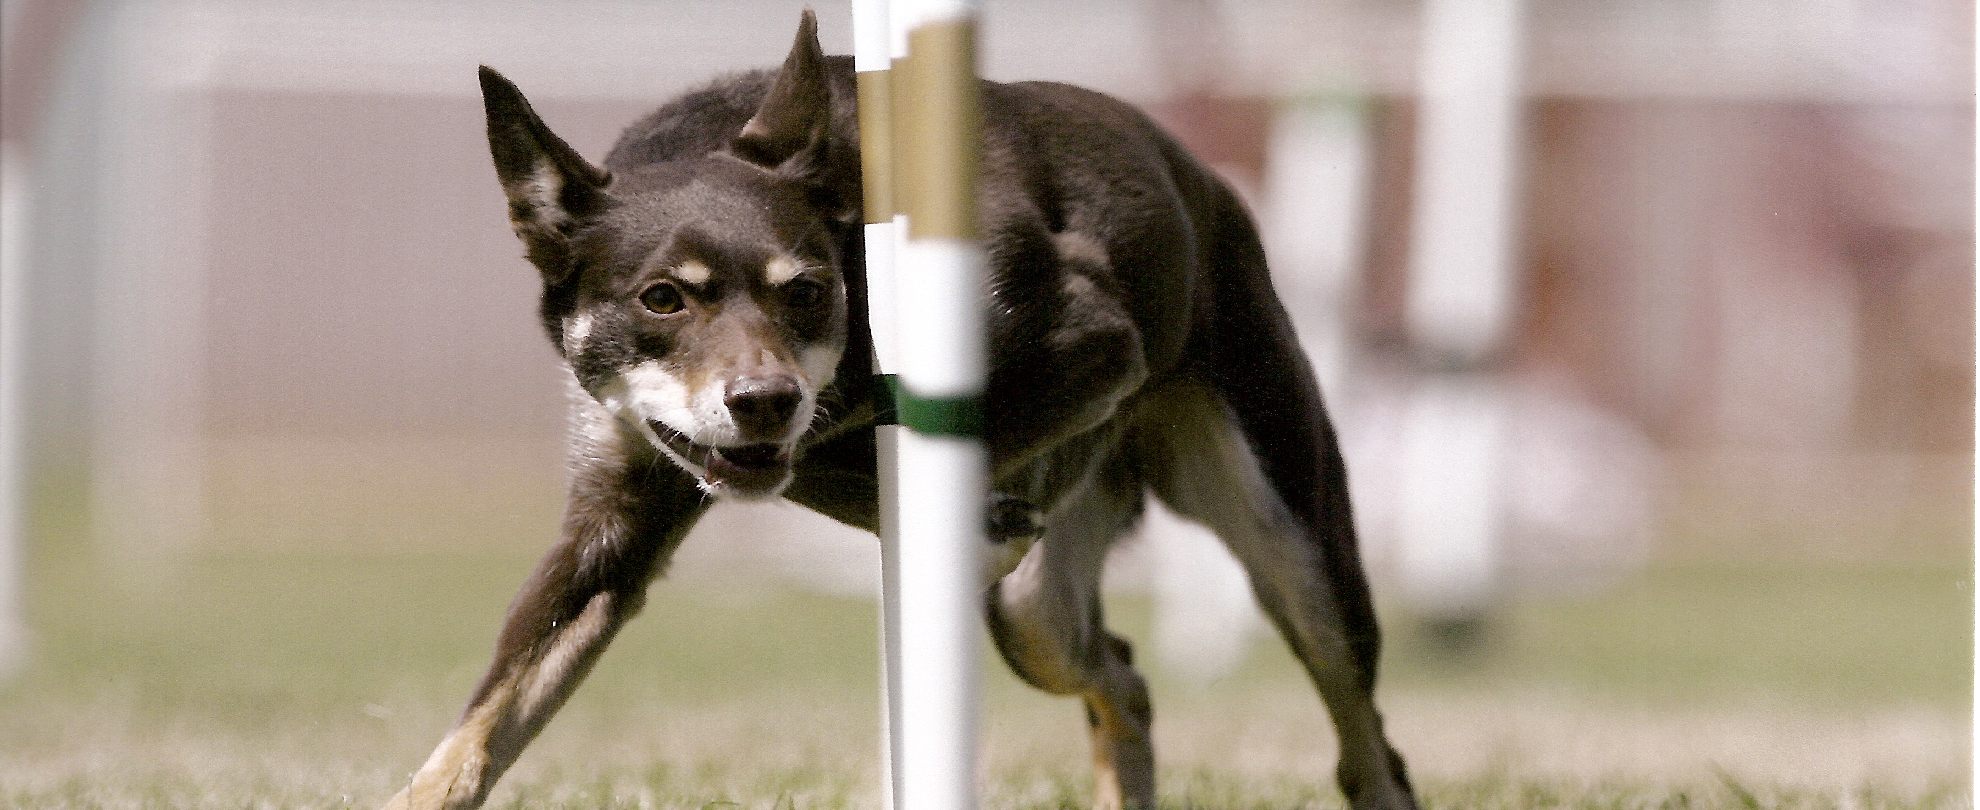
{"x": 618, "y": 531}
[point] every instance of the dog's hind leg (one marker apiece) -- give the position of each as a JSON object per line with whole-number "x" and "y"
{"x": 1046, "y": 619}
{"x": 1199, "y": 462}
{"x": 617, "y": 535}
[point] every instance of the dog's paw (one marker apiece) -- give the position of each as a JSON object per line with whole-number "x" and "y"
{"x": 460, "y": 794}
{"x": 403, "y": 800}
{"x": 453, "y": 778}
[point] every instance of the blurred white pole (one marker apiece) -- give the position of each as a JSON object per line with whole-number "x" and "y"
{"x": 1316, "y": 190}
{"x": 873, "y": 56}
{"x": 943, "y": 470}
{"x": 1453, "y": 501}
{"x": 1462, "y": 283}
{"x": 150, "y": 354}
{"x": 13, "y": 428}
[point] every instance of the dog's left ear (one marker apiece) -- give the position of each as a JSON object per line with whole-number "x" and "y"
{"x": 788, "y": 133}
{"x": 550, "y": 187}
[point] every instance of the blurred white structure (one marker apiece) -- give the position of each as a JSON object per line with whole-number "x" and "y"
{"x": 1462, "y": 281}
{"x": 1463, "y": 275}
{"x": 14, "y": 187}
{"x": 1205, "y": 618}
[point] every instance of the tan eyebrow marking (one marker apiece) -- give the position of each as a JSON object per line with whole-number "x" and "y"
{"x": 691, "y": 271}
{"x": 782, "y": 269}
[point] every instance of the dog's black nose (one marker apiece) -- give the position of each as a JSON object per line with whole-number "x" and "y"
{"x": 763, "y": 406}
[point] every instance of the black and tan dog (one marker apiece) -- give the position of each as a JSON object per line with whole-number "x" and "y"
{"x": 705, "y": 289}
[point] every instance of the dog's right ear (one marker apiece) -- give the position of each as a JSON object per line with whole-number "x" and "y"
{"x": 550, "y": 188}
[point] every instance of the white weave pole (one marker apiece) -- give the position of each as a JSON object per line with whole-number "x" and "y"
{"x": 873, "y": 57}
{"x": 933, "y": 493}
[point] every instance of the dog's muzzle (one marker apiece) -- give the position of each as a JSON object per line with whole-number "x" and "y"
{"x": 750, "y": 470}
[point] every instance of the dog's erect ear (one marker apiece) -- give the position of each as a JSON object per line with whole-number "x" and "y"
{"x": 789, "y": 129}
{"x": 550, "y": 187}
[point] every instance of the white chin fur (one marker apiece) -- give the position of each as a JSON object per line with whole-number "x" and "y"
{"x": 649, "y": 392}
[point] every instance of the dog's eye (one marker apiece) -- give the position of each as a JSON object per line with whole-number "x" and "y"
{"x": 662, "y": 299}
{"x": 804, "y": 292}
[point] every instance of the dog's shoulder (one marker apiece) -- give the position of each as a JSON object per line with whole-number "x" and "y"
{"x": 695, "y": 123}
{"x": 1068, "y": 147}
{"x": 707, "y": 119}
{"x": 1035, "y": 102}
{"x": 1068, "y": 121}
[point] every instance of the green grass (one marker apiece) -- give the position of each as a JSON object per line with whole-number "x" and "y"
{"x": 296, "y": 679}
{"x": 1842, "y": 635}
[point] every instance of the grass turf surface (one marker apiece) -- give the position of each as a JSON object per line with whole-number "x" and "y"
{"x": 236, "y": 679}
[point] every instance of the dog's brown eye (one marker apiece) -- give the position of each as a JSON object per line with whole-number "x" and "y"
{"x": 662, "y": 299}
{"x": 804, "y": 293}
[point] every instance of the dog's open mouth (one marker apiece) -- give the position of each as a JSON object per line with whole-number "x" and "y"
{"x": 746, "y": 470}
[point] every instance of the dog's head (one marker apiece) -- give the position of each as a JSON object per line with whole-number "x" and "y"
{"x": 699, "y": 300}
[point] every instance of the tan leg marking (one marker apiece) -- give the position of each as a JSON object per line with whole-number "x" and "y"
{"x": 461, "y": 768}
{"x": 453, "y": 775}
{"x": 545, "y": 681}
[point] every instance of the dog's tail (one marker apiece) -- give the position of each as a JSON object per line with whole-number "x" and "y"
{"x": 1270, "y": 388}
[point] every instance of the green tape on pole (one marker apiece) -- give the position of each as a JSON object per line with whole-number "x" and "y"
{"x": 943, "y": 416}
{"x": 886, "y": 395}
{"x": 932, "y": 416}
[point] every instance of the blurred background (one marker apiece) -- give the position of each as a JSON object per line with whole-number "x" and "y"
{"x": 1648, "y": 325}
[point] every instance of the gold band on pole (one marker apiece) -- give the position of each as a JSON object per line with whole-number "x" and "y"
{"x": 939, "y": 140}
{"x": 876, "y": 129}
{"x": 900, "y": 108}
